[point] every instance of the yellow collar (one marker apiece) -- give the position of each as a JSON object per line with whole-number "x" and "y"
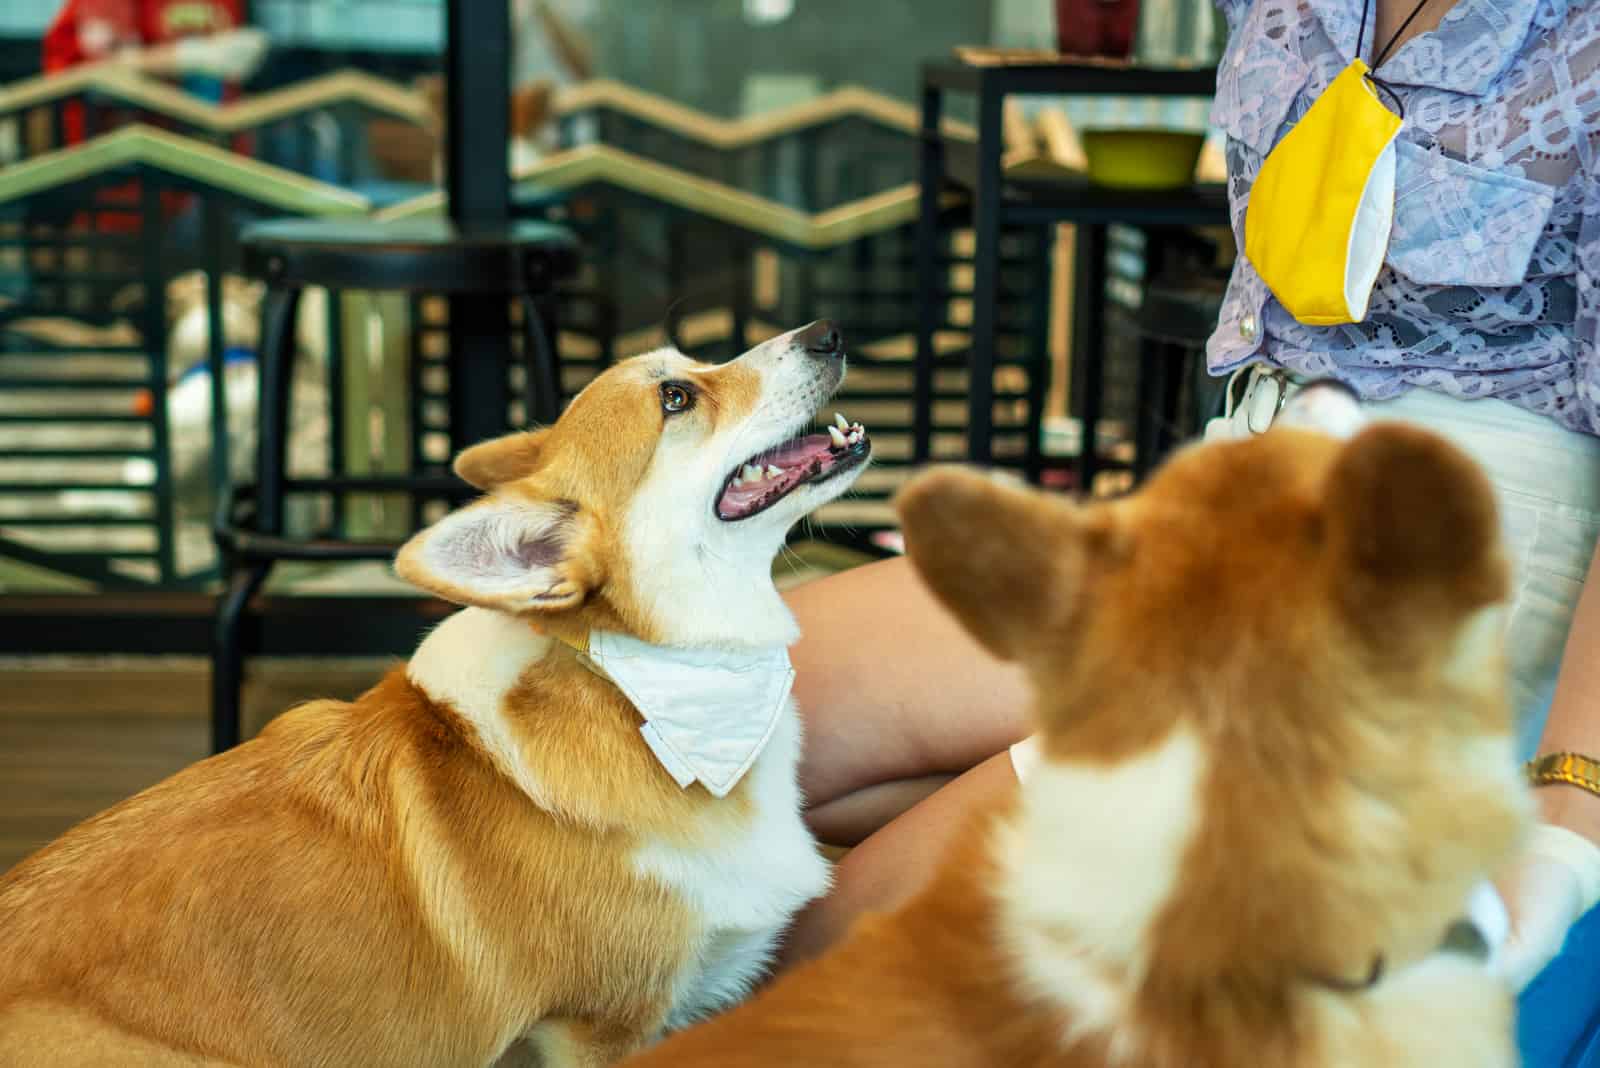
{"x": 580, "y": 653}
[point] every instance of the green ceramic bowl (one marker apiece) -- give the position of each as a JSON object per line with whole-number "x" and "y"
{"x": 1142, "y": 159}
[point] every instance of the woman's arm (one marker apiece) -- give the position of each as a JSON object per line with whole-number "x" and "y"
{"x": 1574, "y": 723}
{"x": 1556, "y": 879}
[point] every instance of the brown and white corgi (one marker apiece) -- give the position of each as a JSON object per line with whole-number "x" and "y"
{"x": 481, "y": 857}
{"x": 1274, "y": 760}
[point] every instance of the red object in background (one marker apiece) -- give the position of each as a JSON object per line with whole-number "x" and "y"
{"x": 66, "y": 44}
{"x": 131, "y": 22}
{"x": 87, "y": 30}
{"x": 1096, "y": 27}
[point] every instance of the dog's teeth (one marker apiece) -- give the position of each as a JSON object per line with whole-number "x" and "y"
{"x": 840, "y": 421}
{"x": 752, "y": 473}
{"x": 854, "y": 436}
{"x": 773, "y": 472}
{"x": 837, "y": 437}
{"x": 738, "y": 480}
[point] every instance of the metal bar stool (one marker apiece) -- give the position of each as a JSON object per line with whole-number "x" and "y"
{"x": 1178, "y": 314}
{"x": 521, "y": 261}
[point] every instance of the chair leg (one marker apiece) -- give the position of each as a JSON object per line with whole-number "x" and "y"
{"x": 276, "y": 372}
{"x": 227, "y": 654}
{"x": 1152, "y": 390}
{"x": 1162, "y": 369}
{"x": 1173, "y": 424}
{"x": 541, "y": 360}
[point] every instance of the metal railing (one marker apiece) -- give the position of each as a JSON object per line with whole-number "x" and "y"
{"x": 97, "y": 466}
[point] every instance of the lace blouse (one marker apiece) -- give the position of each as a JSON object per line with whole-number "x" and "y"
{"x": 1491, "y": 285}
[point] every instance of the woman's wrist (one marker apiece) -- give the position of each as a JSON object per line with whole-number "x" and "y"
{"x": 1569, "y": 806}
{"x": 1566, "y": 784}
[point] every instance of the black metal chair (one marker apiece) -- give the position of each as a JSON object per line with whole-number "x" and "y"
{"x": 1178, "y": 314}
{"x": 521, "y": 261}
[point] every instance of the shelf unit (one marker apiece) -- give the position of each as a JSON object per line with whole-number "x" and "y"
{"x": 998, "y": 201}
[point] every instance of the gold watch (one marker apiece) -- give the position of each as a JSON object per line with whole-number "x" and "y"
{"x": 1574, "y": 769}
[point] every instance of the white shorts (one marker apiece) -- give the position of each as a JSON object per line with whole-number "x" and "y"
{"x": 1547, "y": 479}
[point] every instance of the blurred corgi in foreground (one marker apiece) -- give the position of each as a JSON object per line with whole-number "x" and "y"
{"x": 1274, "y": 762}
{"x": 570, "y": 823}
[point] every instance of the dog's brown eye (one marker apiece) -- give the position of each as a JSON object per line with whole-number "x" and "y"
{"x": 675, "y": 398}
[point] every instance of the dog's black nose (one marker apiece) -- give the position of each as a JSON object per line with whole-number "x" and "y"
{"x": 822, "y": 338}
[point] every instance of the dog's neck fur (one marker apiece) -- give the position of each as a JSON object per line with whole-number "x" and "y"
{"x": 1089, "y": 863}
{"x": 471, "y": 662}
{"x": 474, "y": 660}
{"x": 700, "y": 584}
{"x": 727, "y": 600}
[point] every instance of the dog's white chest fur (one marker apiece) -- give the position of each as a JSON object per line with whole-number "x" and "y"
{"x": 1089, "y": 861}
{"x": 746, "y": 888}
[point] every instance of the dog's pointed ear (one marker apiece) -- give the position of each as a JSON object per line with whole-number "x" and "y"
{"x": 1412, "y": 519}
{"x": 505, "y": 552}
{"x": 1007, "y": 561}
{"x": 500, "y": 460}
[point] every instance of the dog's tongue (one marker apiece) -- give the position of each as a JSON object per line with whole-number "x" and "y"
{"x": 795, "y": 462}
{"x": 798, "y": 453}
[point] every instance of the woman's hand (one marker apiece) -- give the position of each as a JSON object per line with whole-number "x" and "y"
{"x": 1553, "y": 883}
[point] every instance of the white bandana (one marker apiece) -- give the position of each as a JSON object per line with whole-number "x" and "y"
{"x": 1488, "y": 914}
{"x": 708, "y": 713}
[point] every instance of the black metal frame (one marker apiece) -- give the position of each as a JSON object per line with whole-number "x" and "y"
{"x": 473, "y": 270}
{"x": 478, "y": 187}
{"x": 997, "y": 202}
{"x": 482, "y": 158}
{"x": 219, "y": 226}
{"x": 518, "y": 261}
{"x": 184, "y": 623}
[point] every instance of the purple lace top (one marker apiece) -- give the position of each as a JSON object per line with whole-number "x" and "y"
{"x": 1491, "y": 287}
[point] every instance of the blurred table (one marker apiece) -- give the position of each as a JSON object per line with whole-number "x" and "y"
{"x": 998, "y": 200}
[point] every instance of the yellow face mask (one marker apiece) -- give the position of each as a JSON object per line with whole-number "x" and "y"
{"x": 1317, "y": 225}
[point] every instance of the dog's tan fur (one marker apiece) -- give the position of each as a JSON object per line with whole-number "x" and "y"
{"x": 412, "y": 878}
{"x": 339, "y": 827}
{"x": 1299, "y": 623}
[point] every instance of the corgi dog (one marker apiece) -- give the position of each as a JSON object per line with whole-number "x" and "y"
{"x": 485, "y": 858}
{"x": 1273, "y": 761}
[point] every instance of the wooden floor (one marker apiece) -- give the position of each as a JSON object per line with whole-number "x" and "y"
{"x": 79, "y": 735}
{"x": 54, "y": 773}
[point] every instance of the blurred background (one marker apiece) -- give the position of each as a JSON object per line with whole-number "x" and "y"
{"x": 729, "y": 168}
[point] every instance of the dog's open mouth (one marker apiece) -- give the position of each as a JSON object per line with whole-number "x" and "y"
{"x": 768, "y": 477}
